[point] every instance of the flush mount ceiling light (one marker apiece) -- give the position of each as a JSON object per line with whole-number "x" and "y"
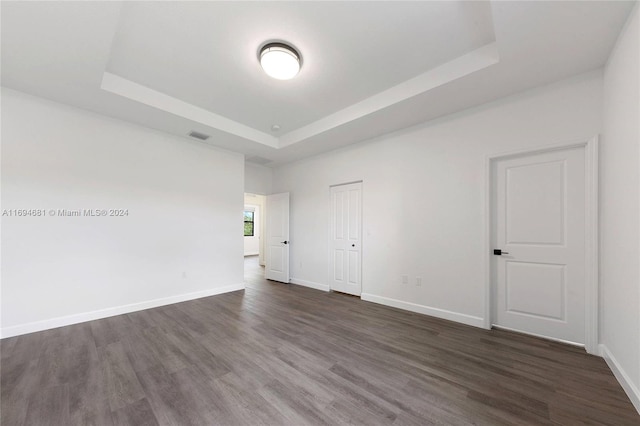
{"x": 279, "y": 60}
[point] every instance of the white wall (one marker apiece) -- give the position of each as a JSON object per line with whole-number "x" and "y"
{"x": 180, "y": 240}
{"x": 257, "y": 179}
{"x": 620, "y": 210}
{"x": 423, "y": 196}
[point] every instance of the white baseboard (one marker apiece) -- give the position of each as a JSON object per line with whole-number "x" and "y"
{"x": 541, "y": 336}
{"x": 32, "y": 327}
{"x": 426, "y": 310}
{"x": 310, "y": 284}
{"x": 623, "y": 378}
{"x": 251, "y": 254}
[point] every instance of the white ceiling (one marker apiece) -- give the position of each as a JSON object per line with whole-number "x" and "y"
{"x": 368, "y": 67}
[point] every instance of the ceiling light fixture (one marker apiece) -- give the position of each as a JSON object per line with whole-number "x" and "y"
{"x": 279, "y": 60}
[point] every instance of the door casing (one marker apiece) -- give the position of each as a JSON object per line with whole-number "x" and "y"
{"x": 591, "y": 233}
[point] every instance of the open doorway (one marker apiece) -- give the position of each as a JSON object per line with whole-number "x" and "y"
{"x": 254, "y": 241}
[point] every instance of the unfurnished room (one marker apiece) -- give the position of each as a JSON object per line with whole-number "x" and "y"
{"x": 320, "y": 213}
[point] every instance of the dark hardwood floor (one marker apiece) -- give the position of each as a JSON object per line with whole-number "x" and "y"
{"x": 287, "y": 355}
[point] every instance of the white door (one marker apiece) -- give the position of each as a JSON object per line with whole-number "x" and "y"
{"x": 539, "y": 224}
{"x": 277, "y": 255}
{"x": 346, "y": 239}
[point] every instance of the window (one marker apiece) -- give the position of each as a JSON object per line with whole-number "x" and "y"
{"x": 248, "y": 224}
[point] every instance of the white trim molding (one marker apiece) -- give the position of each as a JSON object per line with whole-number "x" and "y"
{"x": 310, "y": 284}
{"x": 623, "y": 378}
{"x": 552, "y": 339}
{"x": 32, "y": 327}
{"x": 592, "y": 246}
{"x": 591, "y": 234}
{"x": 425, "y": 310}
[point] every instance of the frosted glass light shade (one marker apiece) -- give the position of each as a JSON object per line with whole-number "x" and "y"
{"x": 280, "y": 61}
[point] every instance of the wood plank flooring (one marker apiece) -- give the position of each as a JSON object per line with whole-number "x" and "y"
{"x": 279, "y": 354}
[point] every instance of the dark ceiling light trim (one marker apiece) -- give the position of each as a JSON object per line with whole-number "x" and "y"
{"x": 280, "y": 60}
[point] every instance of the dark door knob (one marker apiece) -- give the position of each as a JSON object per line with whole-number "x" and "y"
{"x": 353, "y": 245}
{"x": 499, "y": 252}
{"x": 285, "y": 242}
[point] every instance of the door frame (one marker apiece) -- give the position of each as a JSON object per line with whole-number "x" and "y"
{"x": 329, "y": 239}
{"x": 591, "y": 233}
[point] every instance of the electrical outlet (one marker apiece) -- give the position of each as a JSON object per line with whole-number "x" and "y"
{"x": 418, "y": 281}
{"x": 405, "y": 279}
